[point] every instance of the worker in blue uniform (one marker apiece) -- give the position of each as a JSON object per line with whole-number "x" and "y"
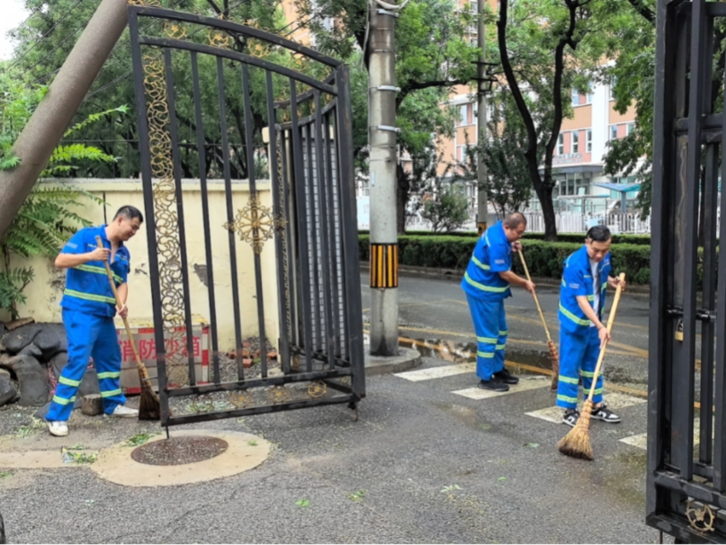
{"x": 89, "y": 307}
{"x": 487, "y": 284}
{"x": 585, "y": 280}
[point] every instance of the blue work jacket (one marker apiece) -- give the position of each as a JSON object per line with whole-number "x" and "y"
{"x": 576, "y": 281}
{"x": 87, "y": 287}
{"x": 492, "y": 255}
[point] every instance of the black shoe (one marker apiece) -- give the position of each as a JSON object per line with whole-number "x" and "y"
{"x": 570, "y": 417}
{"x": 506, "y": 377}
{"x": 494, "y": 385}
{"x": 606, "y": 415}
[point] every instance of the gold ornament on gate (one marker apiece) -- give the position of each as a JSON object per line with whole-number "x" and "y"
{"x": 241, "y": 399}
{"x": 175, "y": 30}
{"x": 279, "y": 394}
{"x": 255, "y": 224}
{"x": 701, "y": 518}
{"x": 317, "y": 389}
{"x": 217, "y": 38}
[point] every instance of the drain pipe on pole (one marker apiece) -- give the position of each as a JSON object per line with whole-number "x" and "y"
{"x": 382, "y": 137}
{"x": 54, "y": 114}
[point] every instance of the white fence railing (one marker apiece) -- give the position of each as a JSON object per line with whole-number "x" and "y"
{"x": 580, "y": 223}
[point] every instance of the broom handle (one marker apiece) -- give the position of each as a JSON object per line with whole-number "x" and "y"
{"x": 536, "y": 301}
{"x": 611, "y": 321}
{"x": 139, "y": 365}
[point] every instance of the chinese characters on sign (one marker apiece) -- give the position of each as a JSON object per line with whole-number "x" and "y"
{"x": 147, "y": 348}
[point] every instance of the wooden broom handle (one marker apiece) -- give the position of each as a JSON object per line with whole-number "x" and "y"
{"x": 130, "y": 335}
{"x": 536, "y": 301}
{"x": 611, "y": 321}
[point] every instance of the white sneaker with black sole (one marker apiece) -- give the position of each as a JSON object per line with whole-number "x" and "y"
{"x": 606, "y": 415}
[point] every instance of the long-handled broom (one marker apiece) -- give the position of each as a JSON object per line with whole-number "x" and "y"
{"x": 577, "y": 442}
{"x": 554, "y": 355}
{"x": 149, "y": 405}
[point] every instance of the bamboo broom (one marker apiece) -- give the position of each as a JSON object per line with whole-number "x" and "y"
{"x": 149, "y": 405}
{"x": 554, "y": 355}
{"x": 577, "y": 442}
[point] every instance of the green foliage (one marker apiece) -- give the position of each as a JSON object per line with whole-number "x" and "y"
{"x": 544, "y": 259}
{"x": 447, "y": 209}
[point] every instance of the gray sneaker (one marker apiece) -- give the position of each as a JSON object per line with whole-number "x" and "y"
{"x": 606, "y": 415}
{"x": 121, "y": 411}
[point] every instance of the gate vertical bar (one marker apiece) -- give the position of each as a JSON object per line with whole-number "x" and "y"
{"x": 685, "y": 371}
{"x": 278, "y": 207}
{"x": 312, "y": 211}
{"x": 253, "y": 191}
{"x": 174, "y": 135}
{"x": 349, "y": 226}
{"x": 201, "y": 151}
{"x": 303, "y": 250}
{"x": 147, "y": 182}
{"x": 663, "y": 151}
{"x": 230, "y": 216}
{"x": 719, "y": 455}
{"x": 330, "y": 195}
{"x": 289, "y": 211}
{"x": 327, "y": 328}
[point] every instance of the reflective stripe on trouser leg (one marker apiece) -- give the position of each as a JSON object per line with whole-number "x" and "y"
{"x": 485, "y": 316}
{"x": 81, "y": 333}
{"x": 572, "y": 351}
{"x": 589, "y": 362}
{"x": 107, "y": 358}
{"x": 501, "y": 339}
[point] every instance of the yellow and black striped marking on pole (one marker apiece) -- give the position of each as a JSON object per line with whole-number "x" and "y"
{"x": 384, "y": 265}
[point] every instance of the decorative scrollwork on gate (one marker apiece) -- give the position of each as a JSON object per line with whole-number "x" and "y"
{"x": 317, "y": 389}
{"x": 165, "y": 216}
{"x": 279, "y": 394}
{"x": 241, "y": 399}
{"x": 255, "y": 223}
{"x": 702, "y": 518}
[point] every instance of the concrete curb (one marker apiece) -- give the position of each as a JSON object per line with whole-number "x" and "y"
{"x": 407, "y": 358}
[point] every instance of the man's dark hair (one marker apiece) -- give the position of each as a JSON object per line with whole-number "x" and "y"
{"x": 598, "y": 233}
{"x": 514, "y": 220}
{"x": 130, "y": 212}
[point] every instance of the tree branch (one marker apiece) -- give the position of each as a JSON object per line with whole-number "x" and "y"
{"x": 643, "y": 10}
{"x": 412, "y": 85}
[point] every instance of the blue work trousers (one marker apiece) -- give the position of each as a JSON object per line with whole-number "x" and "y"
{"x": 578, "y": 358}
{"x": 490, "y": 325}
{"x": 88, "y": 336}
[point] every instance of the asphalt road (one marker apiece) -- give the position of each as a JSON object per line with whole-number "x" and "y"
{"x": 424, "y": 464}
{"x": 434, "y": 317}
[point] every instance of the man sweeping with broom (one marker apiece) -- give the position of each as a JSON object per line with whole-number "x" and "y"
{"x": 88, "y": 309}
{"x": 582, "y": 334}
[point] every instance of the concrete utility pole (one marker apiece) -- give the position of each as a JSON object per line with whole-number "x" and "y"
{"x": 52, "y": 117}
{"x": 481, "y": 168}
{"x": 382, "y": 133}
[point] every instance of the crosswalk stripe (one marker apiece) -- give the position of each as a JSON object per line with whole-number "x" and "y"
{"x": 438, "y": 372}
{"x": 524, "y": 385}
{"x": 641, "y": 440}
{"x": 613, "y": 400}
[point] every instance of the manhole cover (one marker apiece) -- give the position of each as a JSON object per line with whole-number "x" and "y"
{"x": 178, "y": 451}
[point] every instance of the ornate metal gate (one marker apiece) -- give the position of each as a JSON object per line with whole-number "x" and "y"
{"x": 218, "y": 99}
{"x": 687, "y": 403}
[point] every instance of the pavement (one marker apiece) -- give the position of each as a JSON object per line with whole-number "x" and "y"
{"x": 431, "y": 459}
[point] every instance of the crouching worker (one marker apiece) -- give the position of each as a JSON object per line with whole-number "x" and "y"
{"x": 486, "y": 284}
{"x": 89, "y": 307}
{"x": 582, "y": 300}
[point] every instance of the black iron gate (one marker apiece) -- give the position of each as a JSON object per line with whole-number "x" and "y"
{"x": 232, "y": 114}
{"x": 687, "y": 374}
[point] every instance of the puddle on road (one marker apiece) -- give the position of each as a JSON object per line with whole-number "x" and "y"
{"x": 454, "y": 352}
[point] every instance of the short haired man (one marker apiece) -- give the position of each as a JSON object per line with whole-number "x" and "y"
{"x": 486, "y": 283}
{"x": 582, "y": 334}
{"x": 89, "y": 307}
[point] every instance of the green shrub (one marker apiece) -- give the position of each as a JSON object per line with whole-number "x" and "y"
{"x": 544, "y": 259}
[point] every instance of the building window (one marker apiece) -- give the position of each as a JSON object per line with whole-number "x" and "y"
{"x": 589, "y": 96}
{"x": 575, "y": 142}
{"x": 575, "y": 98}
{"x": 613, "y": 132}
{"x": 613, "y": 82}
{"x": 561, "y": 144}
{"x": 464, "y": 113}
{"x": 588, "y": 142}
{"x": 631, "y": 128}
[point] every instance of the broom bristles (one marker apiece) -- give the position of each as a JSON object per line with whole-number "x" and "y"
{"x": 149, "y": 404}
{"x": 576, "y": 443}
{"x": 555, "y": 361}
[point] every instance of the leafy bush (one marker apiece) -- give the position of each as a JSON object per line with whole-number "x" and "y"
{"x": 45, "y": 220}
{"x": 544, "y": 259}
